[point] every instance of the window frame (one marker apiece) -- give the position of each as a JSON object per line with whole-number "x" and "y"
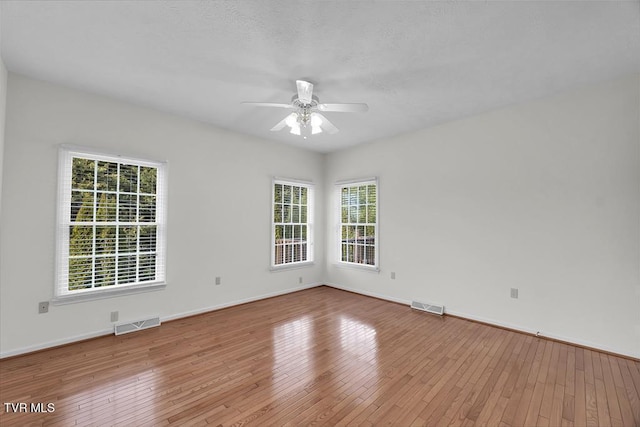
{"x": 62, "y": 294}
{"x": 309, "y": 223}
{"x": 339, "y": 224}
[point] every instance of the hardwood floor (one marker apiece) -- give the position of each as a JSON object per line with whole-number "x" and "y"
{"x": 323, "y": 357}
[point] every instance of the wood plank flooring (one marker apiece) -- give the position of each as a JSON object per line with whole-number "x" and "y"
{"x": 322, "y": 357}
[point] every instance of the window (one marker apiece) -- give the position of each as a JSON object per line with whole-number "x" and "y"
{"x": 292, "y": 237}
{"x": 359, "y": 223}
{"x": 111, "y": 224}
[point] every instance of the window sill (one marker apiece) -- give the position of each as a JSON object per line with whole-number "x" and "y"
{"x": 291, "y": 266}
{"x": 111, "y": 292}
{"x": 354, "y": 266}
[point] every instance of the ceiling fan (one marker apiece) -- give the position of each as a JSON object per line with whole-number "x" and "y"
{"x": 306, "y": 118}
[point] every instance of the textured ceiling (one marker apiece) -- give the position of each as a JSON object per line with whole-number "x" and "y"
{"x": 416, "y": 63}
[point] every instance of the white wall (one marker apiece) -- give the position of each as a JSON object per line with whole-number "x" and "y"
{"x": 3, "y": 101}
{"x": 543, "y": 197}
{"x": 218, "y": 218}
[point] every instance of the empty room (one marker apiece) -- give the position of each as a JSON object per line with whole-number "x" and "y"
{"x": 275, "y": 212}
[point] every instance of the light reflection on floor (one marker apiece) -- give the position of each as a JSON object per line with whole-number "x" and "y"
{"x": 292, "y": 344}
{"x": 359, "y": 339}
{"x": 315, "y": 350}
{"x": 110, "y": 398}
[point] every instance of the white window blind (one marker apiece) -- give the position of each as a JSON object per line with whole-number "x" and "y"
{"x": 292, "y": 234}
{"x": 111, "y": 223}
{"x": 358, "y": 231}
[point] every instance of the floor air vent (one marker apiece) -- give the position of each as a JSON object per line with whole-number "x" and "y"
{"x": 430, "y": 308}
{"x": 125, "y": 328}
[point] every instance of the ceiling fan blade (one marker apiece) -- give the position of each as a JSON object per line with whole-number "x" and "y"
{"x": 305, "y": 91}
{"x": 280, "y": 125}
{"x": 326, "y": 125}
{"x": 344, "y": 108}
{"x": 268, "y": 104}
{"x": 291, "y": 120}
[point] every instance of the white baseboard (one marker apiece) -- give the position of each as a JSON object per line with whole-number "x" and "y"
{"x": 109, "y": 331}
{"x": 367, "y": 293}
{"x": 542, "y": 334}
{"x": 238, "y": 302}
{"x": 494, "y": 322}
{"x": 56, "y": 343}
{"x": 519, "y": 328}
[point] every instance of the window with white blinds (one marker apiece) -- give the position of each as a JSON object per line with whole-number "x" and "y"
{"x": 359, "y": 223}
{"x": 111, "y": 223}
{"x": 292, "y": 237}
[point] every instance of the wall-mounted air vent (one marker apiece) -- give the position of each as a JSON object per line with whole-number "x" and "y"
{"x": 429, "y": 308}
{"x": 125, "y": 328}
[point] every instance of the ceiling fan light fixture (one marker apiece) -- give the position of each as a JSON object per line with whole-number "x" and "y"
{"x": 316, "y": 122}
{"x": 306, "y": 120}
{"x": 295, "y": 128}
{"x": 292, "y": 120}
{"x": 306, "y": 130}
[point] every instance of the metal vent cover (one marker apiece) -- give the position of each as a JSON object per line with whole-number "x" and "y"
{"x": 125, "y": 328}
{"x": 429, "y": 308}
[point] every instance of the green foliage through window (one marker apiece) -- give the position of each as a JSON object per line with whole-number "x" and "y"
{"x": 290, "y": 223}
{"x": 113, "y": 229}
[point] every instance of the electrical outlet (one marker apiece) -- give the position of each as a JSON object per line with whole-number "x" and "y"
{"x": 218, "y": 280}
{"x": 393, "y": 275}
{"x": 300, "y": 280}
{"x": 114, "y": 316}
{"x": 514, "y": 293}
{"x": 43, "y": 307}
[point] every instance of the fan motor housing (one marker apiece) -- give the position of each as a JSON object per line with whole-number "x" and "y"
{"x": 304, "y": 110}
{"x": 299, "y": 104}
